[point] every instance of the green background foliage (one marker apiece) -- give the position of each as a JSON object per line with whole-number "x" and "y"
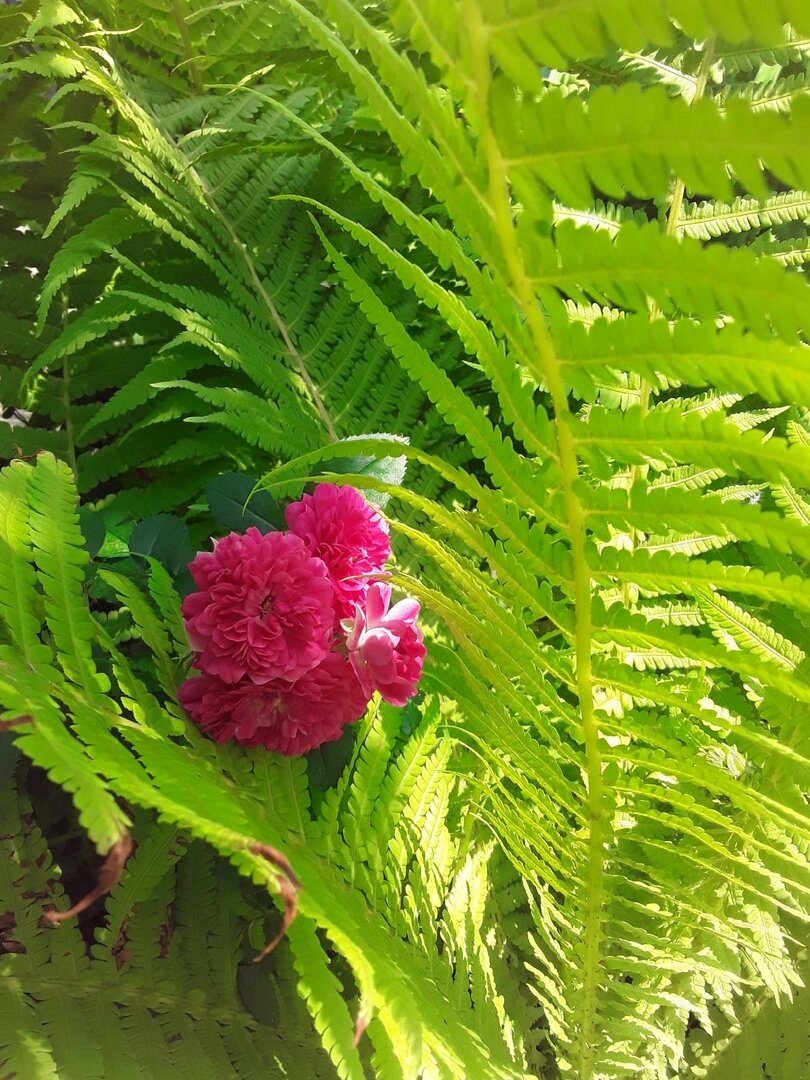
{"x": 550, "y": 256}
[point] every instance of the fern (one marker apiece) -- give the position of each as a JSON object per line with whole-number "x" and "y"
{"x": 560, "y": 246}
{"x": 533, "y": 149}
{"x": 164, "y": 179}
{"x": 147, "y": 1017}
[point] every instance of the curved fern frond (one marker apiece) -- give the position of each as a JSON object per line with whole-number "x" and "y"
{"x": 600, "y": 503}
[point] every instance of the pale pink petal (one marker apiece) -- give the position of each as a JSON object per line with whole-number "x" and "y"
{"x": 386, "y": 647}
{"x": 405, "y": 611}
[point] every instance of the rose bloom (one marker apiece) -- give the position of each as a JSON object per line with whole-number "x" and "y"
{"x": 386, "y": 647}
{"x": 339, "y": 526}
{"x": 288, "y": 717}
{"x": 264, "y": 608}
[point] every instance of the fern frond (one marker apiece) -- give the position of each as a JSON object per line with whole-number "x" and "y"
{"x": 738, "y": 629}
{"x": 591, "y": 831}
{"x": 60, "y": 554}
{"x": 321, "y": 992}
{"x": 457, "y": 408}
{"x": 17, "y": 576}
{"x": 733, "y": 283}
{"x": 535, "y": 138}
{"x": 686, "y": 511}
{"x": 780, "y": 94}
{"x": 689, "y": 353}
{"x": 84, "y": 246}
{"x": 792, "y": 502}
{"x": 678, "y": 436}
{"x": 748, "y": 56}
{"x": 147, "y": 767}
{"x": 707, "y": 220}
{"x": 785, "y": 252}
{"x": 552, "y": 34}
{"x": 673, "y": 573}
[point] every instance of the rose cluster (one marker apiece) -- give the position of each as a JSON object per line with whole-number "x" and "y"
{"x": 291, "y": 632}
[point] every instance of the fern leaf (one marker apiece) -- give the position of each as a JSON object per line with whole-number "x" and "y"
{"x": 24, "y": 1047}
{"x": 17, "y": 577}
{"x": 48, "y": 743}
{"x": 792, "y": 502}
{"x": 370, "y": 765}
{"x": 110, "y": 312}
{"x": 748, "y": 56}
{"x": 686, "y": 511}
{"x": 785, "y": 252}
{"x": 688, "y": 353}
{"x": 82, "y": 184}
{"x": 552, "y": 34}
{"x": 163, "y": 592}
{"x": 105, "y": 232}
{"x": 778, "y": 95}
{"x": 707, "y": 220}
{"x": 60, "y": 553}
{"x": 531, "y": 425}
{"x": 674, "y": 573}
{"x": 321, "y": 991}
{"x": 535, "y": 136}
{"x": 140, "y": 389}
{"x": 738, "y": 629}
{"x": 732, "y": 282}
{"x": 713, "y": 441}
{"x": 152, "y": 630}
{"x": 457, "y": 408}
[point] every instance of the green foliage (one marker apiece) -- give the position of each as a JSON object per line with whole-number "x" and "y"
{"x": 156, "y": 992}
{"x": 177, "y": 263}
{"x": 773, "y": 1045}
{"x": 671, "y": 848}
{"x": 558, "y": 250}
{"x": 132, "y": 745}
{"x": 232, "y": 507}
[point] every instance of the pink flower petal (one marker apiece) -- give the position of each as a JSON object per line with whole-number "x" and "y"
{"x": 266, "y": 609}
{"x": 386, "y": 647}
{"x": 344, "y": 530}
{"x": 291, "y": 718}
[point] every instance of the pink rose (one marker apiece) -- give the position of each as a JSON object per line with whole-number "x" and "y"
{"x": 288, "y": 717}
{"x": 386, "y": 647}
{"x": 265, "y": 608}
{"x": 339, "y": 526}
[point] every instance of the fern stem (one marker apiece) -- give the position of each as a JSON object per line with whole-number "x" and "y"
{"x": 283, "y": 329}
{"x": 292, "y": 350}
{"x": 549, "y": 371}
{"x": 670, "y": 229}
{"x": 679, "y": 190}
{"x": 185, "y": 38}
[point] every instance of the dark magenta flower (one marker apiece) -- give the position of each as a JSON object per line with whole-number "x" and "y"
{"x": 265, "y": 608}
{"x": 291, "y": 718}
{"x": 344, "y": 530}
{"x": 276, "y": 667}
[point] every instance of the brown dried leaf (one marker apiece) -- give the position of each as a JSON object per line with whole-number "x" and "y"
{"x": 7, "y": 725}
{"x": 288, "y": 886}
{"x": 108, "y": 878}
{"x": 361, "y": 1023}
